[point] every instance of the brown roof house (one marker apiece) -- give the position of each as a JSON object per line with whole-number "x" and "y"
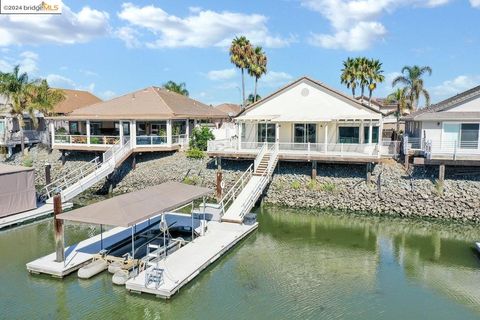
{"x": 150, "y": 119}
{"x": 449, "y": 129}
{"x": 230, "y": 108}
{"x": 74, "y": 99}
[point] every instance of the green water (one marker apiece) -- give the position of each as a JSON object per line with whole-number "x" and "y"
{"x": 295, "y": 266}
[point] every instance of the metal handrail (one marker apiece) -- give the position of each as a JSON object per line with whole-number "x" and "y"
{"x": 260, "y": 156}
{"x": 237, "y": 186}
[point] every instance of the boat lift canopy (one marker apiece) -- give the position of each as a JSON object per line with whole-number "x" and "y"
{"x": 131, "y": 208}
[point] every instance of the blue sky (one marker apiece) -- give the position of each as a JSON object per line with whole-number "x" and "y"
{"x": 113, "y": 47}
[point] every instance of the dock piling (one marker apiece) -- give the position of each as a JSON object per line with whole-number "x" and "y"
{"x": 314, "y": 169}
{"x": 48, "y": 177}
{"x": 219, "y": 179}
{"x": 58, "y": 224}
{"x": 441, "y": 172}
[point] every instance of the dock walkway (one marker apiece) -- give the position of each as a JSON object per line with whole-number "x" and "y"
{"x": 42, "y": 211}
{"x": 183, "y": 265}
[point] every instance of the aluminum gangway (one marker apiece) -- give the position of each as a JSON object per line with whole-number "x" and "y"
{"x": 243, "y": 195}
{"x": 75, "y": 182}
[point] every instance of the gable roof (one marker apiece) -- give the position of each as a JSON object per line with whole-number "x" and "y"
{"x": 229, "y": 108}
{"x": 319, "y": 85}
{"x": 74, "y": 99}
{"x": 150, "y": 103}
{"x": 433, "y": 112}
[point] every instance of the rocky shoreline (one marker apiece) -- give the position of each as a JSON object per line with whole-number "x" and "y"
{"x": 339, "y": 187}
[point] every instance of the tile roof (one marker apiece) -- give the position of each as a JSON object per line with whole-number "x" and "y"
{"x": 74, "y": 99}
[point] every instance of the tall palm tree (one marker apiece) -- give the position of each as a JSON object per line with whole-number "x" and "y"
{"x": 258, "y": 67}
{"x": 362, "y": 74}
{"x": 240, "y": 55}
{"x": 252, "y": 98}
{"x": 412, "y": 79}
{"x": 43, "y": 98}
{"x": 180, "y": 88}
{"x": 399, "y": 97}
{"x": 375, "y": 76}
{"x": 349, "y": 75}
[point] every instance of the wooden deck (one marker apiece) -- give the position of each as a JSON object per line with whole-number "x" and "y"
{"x": 102, "y": 148}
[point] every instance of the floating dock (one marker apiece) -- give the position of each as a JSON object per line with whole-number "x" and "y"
{"x": 42, "y": 211}
{"x": 183, "y": 265}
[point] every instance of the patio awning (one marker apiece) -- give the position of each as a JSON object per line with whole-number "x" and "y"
{"x": 131, "y": 208}
{"x": 256, "y": 117}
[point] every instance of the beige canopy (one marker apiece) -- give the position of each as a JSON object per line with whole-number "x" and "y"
{"x": 129, "y": 209}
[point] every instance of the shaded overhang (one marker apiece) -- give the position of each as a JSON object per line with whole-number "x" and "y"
{"x": 305, "y": 119}
{"x": 131, "y": 208}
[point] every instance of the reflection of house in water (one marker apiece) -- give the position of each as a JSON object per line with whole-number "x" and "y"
{"x": 446, "y": 265}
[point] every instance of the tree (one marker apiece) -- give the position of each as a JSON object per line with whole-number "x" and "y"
{"x": 200, "y": 137}
{"x": 240, "y": 55}
{"x": 349, "y": 76}
{"x": 412, "y": 80}
{"x": 403, "y": 104}
{"x": 257, "y": 68}
{"x": 252, "y": 99}
{"x": 43, "y": 98}
{"x": 375, "y": 76}
{"x": 180, "y": 88}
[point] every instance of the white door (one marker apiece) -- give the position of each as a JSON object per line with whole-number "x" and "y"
{"x": 450, "y": 136}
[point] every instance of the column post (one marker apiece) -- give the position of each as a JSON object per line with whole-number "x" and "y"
{"x": 169, "y": 132}
{"x": 88, "y": 132}
{"x": 325, "y": 139}
{"x": 239, "y": 124}
{"x": 370, "y": 132}
{"x": 120, "y": 124}
{"x": 58, "y": 224}
{"x": 362, "y": 132}
{"x": 441, "y": 173}
{"x": 133, "y": 133}
{"x": 52, "y": 132}
{"x": 187, "y": 134}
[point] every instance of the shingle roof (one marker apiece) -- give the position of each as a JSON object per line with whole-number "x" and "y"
{"x": 229, "y": 108}
{"x": 74, "y": 99}
{"x": 148, "y": 104}
{"x": 445, "y": 104}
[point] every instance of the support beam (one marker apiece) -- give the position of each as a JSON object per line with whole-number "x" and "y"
{"x": 58, "y": 224}
{"x": 52, "y": 133}
{"x": 240, "y": 135}
{"x": 22, "y": 142}
{"x": 133, "y": 133}
{"x": 187, "y": 134}
{"x": 134, "y": 161}
{"x": 63, "y": 158}
{"x": 218, "y": 189}
{"x": 325, "y": 139}
{"x": 314, "y": 169}
{"x": 370, "y": 132}
{"x": 369, "y": 172}
{"x": 441, "y": 173}
{"x": 407, "y": 161}
{"x": 120, "y": 127}
{"x": 48, "y": 177}
{"x": 169, "y": 132}
{"x": 88, "y": 132}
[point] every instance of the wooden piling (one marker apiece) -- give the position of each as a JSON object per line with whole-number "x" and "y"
{"x": 48, "y": 177}
{"x": 407, "y": 161}
{"x": 441, "y": 172}
{"x": 63, "y": 158}
{"x": 314, "y": 169}
{"x": 219, "y": 179}
{"x": 58, "y": 224}
{"x": 22, "y": 142}
{"x": 369, "y": 172}
{"x": 134, "y": 162}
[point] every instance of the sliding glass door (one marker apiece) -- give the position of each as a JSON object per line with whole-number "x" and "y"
{"x": 305, "y": 132}
{"x": 469, "y": 135}
{"x": 348, "y": 135}
{"x": 266, "y": 132}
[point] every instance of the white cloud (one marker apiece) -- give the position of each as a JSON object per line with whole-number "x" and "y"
{"x": 27, "y": 60}
{"x": 224, "y": 74}
{"x": 108, "y": 94}
{"x": 275, "y": 79}
{"x": 200, "y": 29}
{"x": 129, "y": 36}
{"x": 452, "y": 87}
{"x": 59, "y": 81}
{"x": 68, "y": 28}
{"x": 355, "y": 23}
{"x": 475, "y": 3}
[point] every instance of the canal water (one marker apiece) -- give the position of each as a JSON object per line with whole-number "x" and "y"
{"x": 298, "y": 265}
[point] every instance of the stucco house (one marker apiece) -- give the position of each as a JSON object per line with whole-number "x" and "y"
{"x": 308, "y": 121}
{"x": 449, "y": 129}
{"x": 151, "y": 119}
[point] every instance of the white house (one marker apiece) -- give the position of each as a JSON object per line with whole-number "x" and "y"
{"x": 308, "y": 121}
{"x": 449, "y": 129}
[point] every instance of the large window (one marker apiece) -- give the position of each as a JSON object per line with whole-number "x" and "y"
{"x": 366, "y": 133}
{"x": 266, "y": 132}
{"x": 348, "y": 134}
{"x": 158, "y": 128}
{"x": 2, "y": 127}
{"x": 469, "y": 135}
{"x": 305, "y": 132}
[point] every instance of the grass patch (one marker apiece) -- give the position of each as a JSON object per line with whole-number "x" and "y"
{"x": 27, "y": 161}
{"x": 191, "y": 180}
{"x": 312, "y": 184}
{"x": 327, "y": 186}
{"x": 438, "y": 187}
{"x": 296, "y": 185}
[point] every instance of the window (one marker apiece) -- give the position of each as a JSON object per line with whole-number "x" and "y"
{"x": 96, "y": 128}
{"x": 179, "y": 127}
{"x": 366, "y": 133}
{"x": 73, "y": 127}
{"x": 348, "y": 134}
{"x": 159, "y": 129}
{"x": 141, "y": 128}
{"x": 2, "y": 127}
{"x": 244, "y": 128}
{"x": 266, "y": 132}
{"x": 305, "y": 132}
{"x": 469, "y": 135}
{"x": 126, "y": 128}
{"x": 27, "y": 124}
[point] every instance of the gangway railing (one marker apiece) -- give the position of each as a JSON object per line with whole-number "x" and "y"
{"x": 235, "y": 190}
{"x": 260, "y": 156}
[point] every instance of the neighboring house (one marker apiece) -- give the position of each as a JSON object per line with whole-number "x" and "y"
{"x": 150, "y": 119}
{"x": 10, "y": 135}
{"x": 389, "y": 112}
{"x": 448, "y": 129}
{"x": 230, "y": 108}
{"x": 307, "y": 120}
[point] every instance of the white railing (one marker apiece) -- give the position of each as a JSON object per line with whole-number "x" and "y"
{"x": 221, "y": 145}
{"x": 260, "y": 156}
{"x": 118, "y": 151}
{"x": 151, "y": 140}
{"x": 83, "y": 139}
{"x": 452, "y": 148}
{"x": 390, "y": 148}
{"x": 180, "y": 139}
{"x": 237, "y": 187}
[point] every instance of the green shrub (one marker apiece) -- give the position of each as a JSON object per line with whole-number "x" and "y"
{"x": 191, "y": 180}
{"x": 195, "y": 153}
{"x": 296, "y": 185}
{"x": 312, "y": 184}
{"x": 95, "y": 140}
{"x": 200, "y": 138}
{"x": 27, "y": 161}
{"x": 328, "y": 186}
{"x": 438, "y": 187}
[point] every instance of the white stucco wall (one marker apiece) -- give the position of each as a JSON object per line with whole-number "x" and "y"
{"x": 472, "y": 105}
{"x": 431, "y": 130}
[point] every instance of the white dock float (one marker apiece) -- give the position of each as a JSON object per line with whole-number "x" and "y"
{"x": 42, "y": 211}
{"x": 186, "y": 263}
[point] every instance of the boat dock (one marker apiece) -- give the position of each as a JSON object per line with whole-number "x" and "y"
{"x": 183, "y": 265}
{"x": 42, "y": 211}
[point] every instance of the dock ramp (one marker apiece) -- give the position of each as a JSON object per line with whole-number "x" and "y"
{"x": 84, "y": 177}
{"x": 243, "y": 195}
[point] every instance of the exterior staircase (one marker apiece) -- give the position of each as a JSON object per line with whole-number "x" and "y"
{"x": 241, "y": 198}
{"x": 84, "y": 177}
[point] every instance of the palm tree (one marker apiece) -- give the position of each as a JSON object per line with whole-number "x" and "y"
{"x": 375, "y": 76}
{"x": 253, "y": 98}
{"x": 180, "y": 88}
{"x": 399, "y": 97}
{"x": 257, "y": 67}
{"x": 43, "y": 98}
{"x": 362, "y": 74}
{"x": 240, "y": 55}
{"x": 412, "y": 79}
{"x": 349, "y": 75}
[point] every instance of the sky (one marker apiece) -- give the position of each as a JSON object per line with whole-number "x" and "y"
{"x": 113, "y": 47}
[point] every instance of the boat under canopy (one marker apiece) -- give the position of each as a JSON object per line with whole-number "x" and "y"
{"x": 131, "y": 208}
